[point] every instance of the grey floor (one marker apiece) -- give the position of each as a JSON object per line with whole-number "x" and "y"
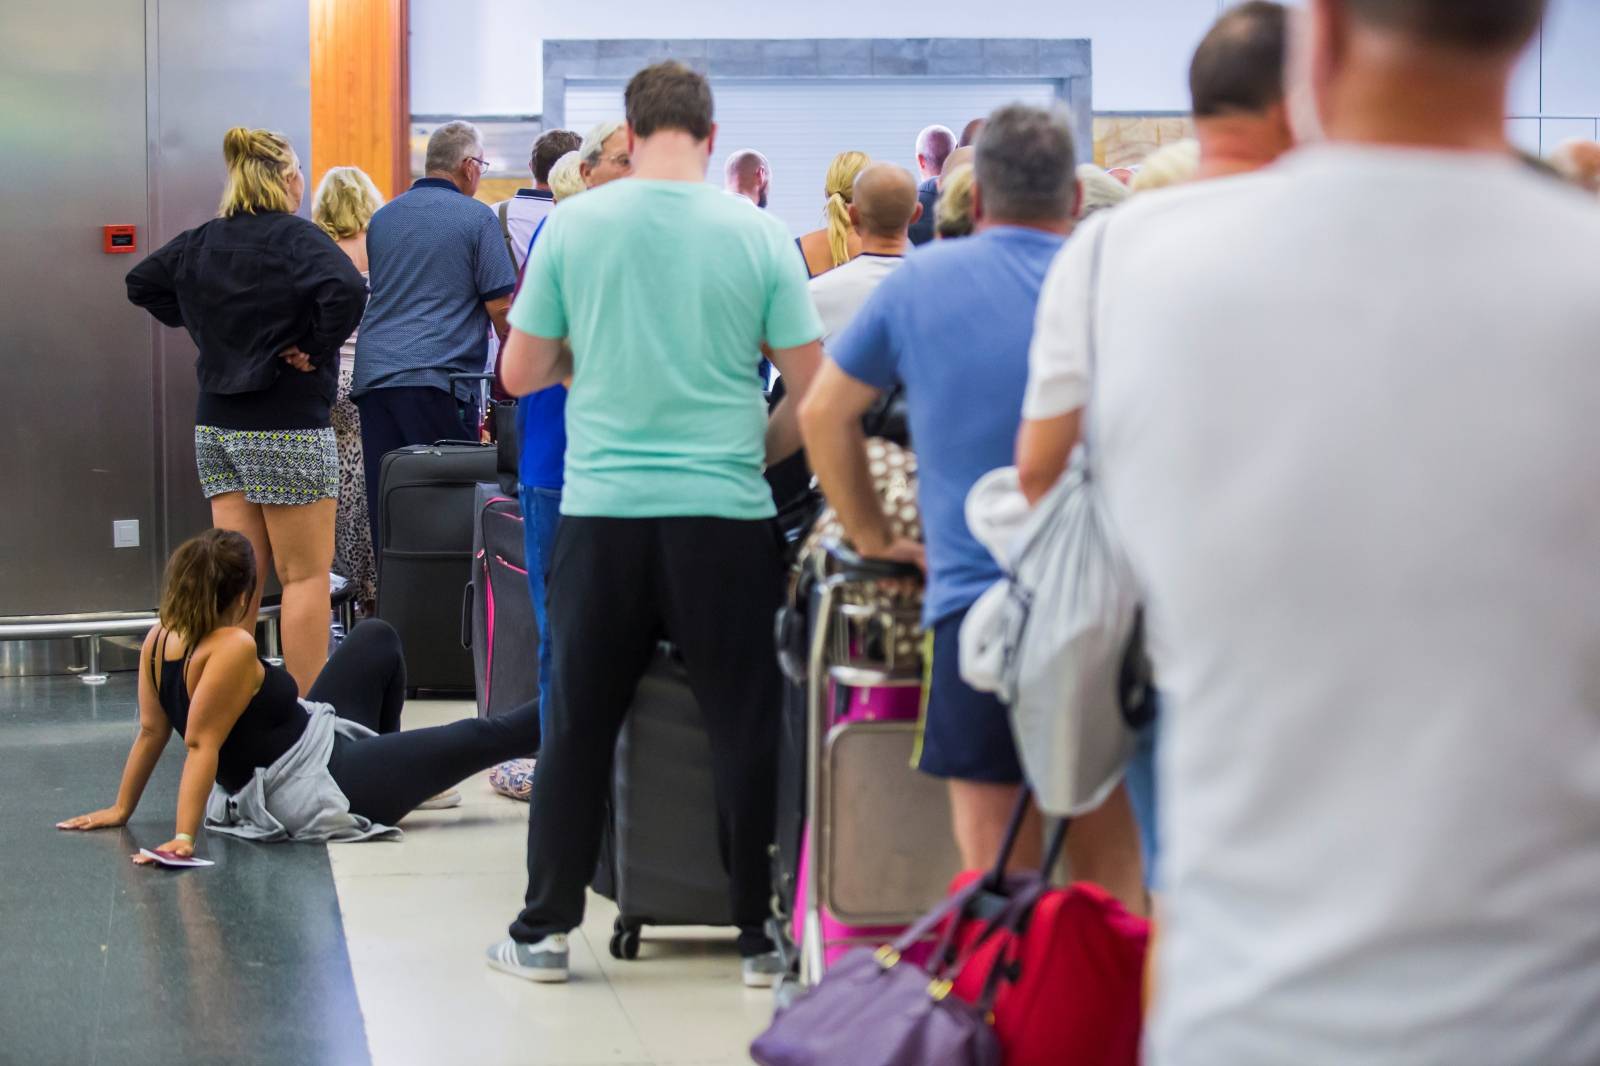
{"x": 108, "y": 962}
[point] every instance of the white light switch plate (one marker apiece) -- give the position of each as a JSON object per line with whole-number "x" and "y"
{"x": 125, "y": 533}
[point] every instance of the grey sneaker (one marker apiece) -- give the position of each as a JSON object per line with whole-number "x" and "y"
{"x": 545, "y": 962}
{"x": 761, "y": 971}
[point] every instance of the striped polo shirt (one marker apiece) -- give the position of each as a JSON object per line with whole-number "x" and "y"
{"x": 436, "y": 256}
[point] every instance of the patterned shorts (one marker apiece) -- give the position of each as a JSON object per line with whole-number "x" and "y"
{"x": 288, "y": 466}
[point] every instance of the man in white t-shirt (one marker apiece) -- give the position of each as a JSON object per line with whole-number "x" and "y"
{"x": 521, "y": 215}
{"x": 1344, "y": 425}
{"x": 884, "y": 207}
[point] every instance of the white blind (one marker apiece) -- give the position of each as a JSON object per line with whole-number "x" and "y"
{"x": 800, "y": 124}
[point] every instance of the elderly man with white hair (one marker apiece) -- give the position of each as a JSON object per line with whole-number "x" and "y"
{"x": 603, "y": 155}
{"x": 934, "y": 145}
{"x": 440, "y": 277}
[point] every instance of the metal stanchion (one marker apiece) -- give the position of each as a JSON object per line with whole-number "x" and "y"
{"x": 93, "y": 676}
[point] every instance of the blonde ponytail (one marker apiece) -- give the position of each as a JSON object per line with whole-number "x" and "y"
{"x": 840, "y": 188}
{"x": 260, "y": 164}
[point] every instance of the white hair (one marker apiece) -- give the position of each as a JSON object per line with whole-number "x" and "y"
{"x": 450, "y": 144}
{"x": 1100, "y": 191}
{"x": 595, "y": 143}
{"x": 565, "y": 180}
{"x": 926, "y": 139}
{"x": 1175, "y": 164}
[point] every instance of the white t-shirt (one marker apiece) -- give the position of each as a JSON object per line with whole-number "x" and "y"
{"x": 1347, "y": 423}
{"x": 524, "y": 212}
{"x": 840, "y": 292}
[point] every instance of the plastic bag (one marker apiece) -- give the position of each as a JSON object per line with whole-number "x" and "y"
{"x": 1058, "y": 638}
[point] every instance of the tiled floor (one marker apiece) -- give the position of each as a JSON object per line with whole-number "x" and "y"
{"x": 106, "y": 962}
{"x": 418, "y": 914}
{"x": 245, "y": 962}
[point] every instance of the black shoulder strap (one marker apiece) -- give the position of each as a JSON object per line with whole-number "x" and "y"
{"x": 504, "y": 211}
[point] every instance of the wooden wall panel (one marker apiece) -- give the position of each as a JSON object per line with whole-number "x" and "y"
{"x": 360, "y": 98}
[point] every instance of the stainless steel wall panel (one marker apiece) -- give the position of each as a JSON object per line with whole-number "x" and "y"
{"x": 114, "y": 113}
{"x": 77, "y": 436}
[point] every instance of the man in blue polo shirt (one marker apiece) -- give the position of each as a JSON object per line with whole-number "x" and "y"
{"x": 440, "y": 277}
{"x": 953, "y": 326}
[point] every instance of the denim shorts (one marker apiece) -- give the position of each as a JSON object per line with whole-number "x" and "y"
{"x": 965, "y": 734}
{"x": 279, "y": 467}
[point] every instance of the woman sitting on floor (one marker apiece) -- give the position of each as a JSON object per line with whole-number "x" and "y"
{"x": 263, "y": 764}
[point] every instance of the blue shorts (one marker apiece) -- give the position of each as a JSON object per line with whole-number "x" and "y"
{"x": 965, "y": 734}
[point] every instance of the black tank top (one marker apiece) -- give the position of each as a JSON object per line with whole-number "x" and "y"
{"x": 271, "y": 723}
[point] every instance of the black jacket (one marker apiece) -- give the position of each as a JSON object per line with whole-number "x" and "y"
{"x": 928, "y": 196}
{"x": 249, "y": 287}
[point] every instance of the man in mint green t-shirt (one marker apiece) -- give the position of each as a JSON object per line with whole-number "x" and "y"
{"x": 664, "y": 290}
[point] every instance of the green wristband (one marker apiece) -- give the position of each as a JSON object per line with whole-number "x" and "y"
{"x": 185, "y": 837}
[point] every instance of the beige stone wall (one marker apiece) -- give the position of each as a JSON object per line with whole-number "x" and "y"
{"x": 1124, "y": 140}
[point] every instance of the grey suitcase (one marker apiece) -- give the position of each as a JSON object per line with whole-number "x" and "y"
{"x": 660, "y": 858}
{"x": 498, "y": 622}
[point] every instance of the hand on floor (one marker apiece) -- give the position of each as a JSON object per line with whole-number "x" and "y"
{"x": 181, "y": 848}
{"x": 109, "y": 818}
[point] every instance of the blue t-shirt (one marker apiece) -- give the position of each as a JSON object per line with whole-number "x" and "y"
{"x": 542, "y": 423}
{"x": 435, "y": 256}
{"x": 954, "y": 324}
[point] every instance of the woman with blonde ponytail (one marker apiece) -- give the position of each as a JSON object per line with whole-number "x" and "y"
{"x": 264, "y": 764}
{"x": 837, "y": 243}
{"x": 268, "y": 298}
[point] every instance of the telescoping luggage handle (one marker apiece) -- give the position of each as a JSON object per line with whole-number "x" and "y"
{"x": 483, "y": 382}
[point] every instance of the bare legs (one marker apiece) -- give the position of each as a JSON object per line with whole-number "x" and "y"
{"x": 302, "y": 551}
{"x": 1102, "y": 846}
{"x": 980, "y": 812}
{"x": 232, "y": 511}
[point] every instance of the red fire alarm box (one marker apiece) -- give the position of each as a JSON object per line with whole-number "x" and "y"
{"x": 121, "y": 240}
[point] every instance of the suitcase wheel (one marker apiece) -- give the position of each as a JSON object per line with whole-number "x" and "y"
{"x": 625, "y": 937}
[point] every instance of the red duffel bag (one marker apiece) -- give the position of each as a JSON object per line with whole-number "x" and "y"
{"x": 1070, "y": 984}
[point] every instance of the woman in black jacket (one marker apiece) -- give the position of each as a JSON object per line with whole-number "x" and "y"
{"x": 268, "y": 298}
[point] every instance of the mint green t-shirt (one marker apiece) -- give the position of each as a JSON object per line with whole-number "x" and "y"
{"x": 665, "y": 291}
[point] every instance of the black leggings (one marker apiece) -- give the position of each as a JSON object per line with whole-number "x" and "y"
{"x": 386, "y": 776}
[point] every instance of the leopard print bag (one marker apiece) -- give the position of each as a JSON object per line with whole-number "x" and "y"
{"x": 898, "y": 609}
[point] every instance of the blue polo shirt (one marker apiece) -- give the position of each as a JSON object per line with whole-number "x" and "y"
{"x": 953, "y": 324}
{"x": 435, "y": 256}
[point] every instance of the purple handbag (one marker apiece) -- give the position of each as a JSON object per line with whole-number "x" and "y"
{"x": 874, "y": 1009}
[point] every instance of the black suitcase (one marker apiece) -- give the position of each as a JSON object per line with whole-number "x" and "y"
{"x": 425, "y": 521}
{"x": 660, "y": 856}
{"x": 497, "y": 619}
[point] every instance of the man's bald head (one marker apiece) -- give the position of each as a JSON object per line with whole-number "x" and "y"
{"x": 885, "y": 201}
{"x": 748, "y": 174}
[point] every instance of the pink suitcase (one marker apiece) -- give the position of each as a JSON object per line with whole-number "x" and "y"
{"x": 895, "y": 705}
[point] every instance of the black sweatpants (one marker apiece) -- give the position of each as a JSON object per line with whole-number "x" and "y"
{"x": 398, "y": 417}
{"x": 386, "y": 776}
{"x": 616, "y": 586}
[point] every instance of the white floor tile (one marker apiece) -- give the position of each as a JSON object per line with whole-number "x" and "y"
{"x": 418, "y": 914}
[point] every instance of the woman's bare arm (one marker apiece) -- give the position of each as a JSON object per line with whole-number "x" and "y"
{"x": 148, "y": 744}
